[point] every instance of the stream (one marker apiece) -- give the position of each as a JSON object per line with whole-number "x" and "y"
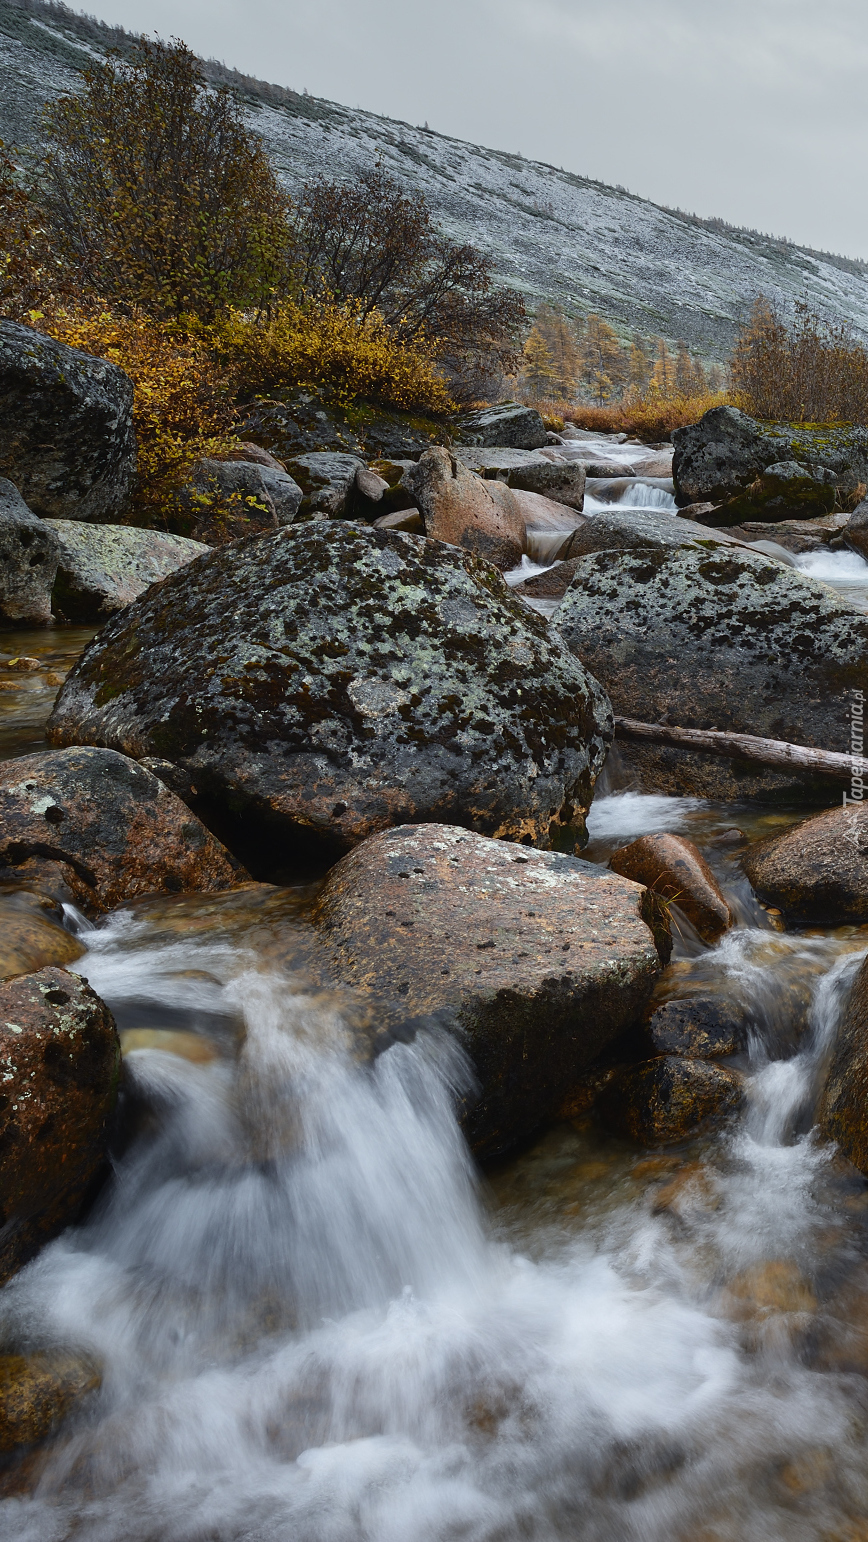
{"x": 318, "y": 1321}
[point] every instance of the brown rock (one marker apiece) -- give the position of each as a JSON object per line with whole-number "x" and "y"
{"x": 769, "y": 1289}
{"x": 817, "y": 871}
{"x": 843, "y": 1109}
{"x": 700, "y": 513}
{"x": 855, "y": 532}
{"x": 550, "y": 585}
{"x": 59, "y": 1063}
{"x": 660, "y": 1102}
{"x": 699, "y": 1029}
{"x": 677, "y": 871}
{"x": 117, "y": 828}
{"x": 402, "y": 519}
{"x": 37, "y": 1392}
{"x": 31, "y": 934}
{"x": 795, "y": 535}
{"x": 540, "y": 959}
{"x": 461, "y": 509}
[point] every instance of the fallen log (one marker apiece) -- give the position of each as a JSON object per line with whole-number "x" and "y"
{"x": 763, "y": 752}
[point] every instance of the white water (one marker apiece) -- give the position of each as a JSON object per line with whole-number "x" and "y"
{"x": 844, "y": 571}
{"x": 634, "y": 495}
{"x": 311, "y": 1328}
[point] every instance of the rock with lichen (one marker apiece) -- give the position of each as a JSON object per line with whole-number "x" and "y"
{"x": 336, "y": 679}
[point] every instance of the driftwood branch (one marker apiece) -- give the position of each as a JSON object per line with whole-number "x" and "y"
{"x": 763, "y": 752}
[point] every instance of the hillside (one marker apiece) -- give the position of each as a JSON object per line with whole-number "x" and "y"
{"x": 555, "y": 235}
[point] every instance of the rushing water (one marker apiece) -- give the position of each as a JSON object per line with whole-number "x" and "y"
{"x": 317, "y": 1321}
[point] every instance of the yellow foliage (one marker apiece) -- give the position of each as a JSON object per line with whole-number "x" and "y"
{"x": 332, "y": 346}
{"x": 651, "y": 419}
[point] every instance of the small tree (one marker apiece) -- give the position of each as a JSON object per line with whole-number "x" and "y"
{"x": 603, "y": 359}
{"x": 32, "y": 277}
{"x": 371, "y": 243}
{"x": 639, "y": 368}
{"x": 157, "y": 191}
{"x": 805, "y": 369}
{"x": 539, "y": 368}
{"x": 561, "y": 338}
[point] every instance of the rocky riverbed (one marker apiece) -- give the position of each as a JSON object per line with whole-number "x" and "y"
{"x": 425, "y": 1117}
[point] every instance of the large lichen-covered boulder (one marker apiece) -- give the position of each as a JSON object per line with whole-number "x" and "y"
{"x": 724, "y": 639}
{"x": 103, "y": 568}
{"x": 113, "y": 828}
{"x": 29, "y": 555}
{"x": 843, "y": 1109}
{"x": 620, "y": 530}
{"x": 66, "y": 427}
{"x": 509, "y": 425}
{"x": 766, "y": 468}
{"x": 337, "y": 679}
{"x": 537, "y": 959}
{"x": 817, "y": 871}
{"x": 59, "y": 1066}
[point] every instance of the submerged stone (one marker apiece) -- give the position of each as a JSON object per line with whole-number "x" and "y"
{"x": 337, "y": 679}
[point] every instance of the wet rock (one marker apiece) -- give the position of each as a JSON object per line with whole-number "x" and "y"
{"x": 508, "y": 425}
{"x": 621, "y": 531}
{"x": 539, "y": 959}
{"x": 843, "y": 1109}
{"x": 276, "y": 497}
{"x": 552, "y": 584}
{"x": 722, "y": 639}
{"x": 529, "y": 471}
{"x": 459, "y": 508}
{"x": 661, "y": 1102}
{"x": 38, "y": 1392}
{"x": 187, "y": 1046}
{"x": 32, "y": 933}
{"x": 102, "y": 568}
{"x": 119, "y": 831}
{"x": 703, "y": 1028}
{"x": 719, "y": 458}
{"x": 59, "y": 1065}
{"x": 678, "y": 872}
{"x": 338, "y": 679}
{"x": 855, "y": 532}
{"x": 773, "y": 1288}
{"x": 327, "y": 479}
{"x": 66, "y": 427}
{"x": 688, "y": 1195}
{"x": 794, "y": 535}
{"x": 817, "y": 871}
{"x": 28, "y": 562}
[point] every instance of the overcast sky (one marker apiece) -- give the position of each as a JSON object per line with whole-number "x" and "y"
{"x": 755, "y": 110}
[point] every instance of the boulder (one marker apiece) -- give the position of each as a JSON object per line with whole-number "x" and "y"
{"x": 32, "y": 933}
{"x": 617, "y": 530}
{"x": 538, "y": 960}
{"x": 843, "y": 1108}
{"x": 461, "y": 509}
{"x": 273, "y": 491}
{"x": 509, "y": 425}
{"x": 794, "y": 535}
{"x": 664, "y": 1101}
{"x": 38, "y": 1392}
{"x": 530, "y": 471}
{"x": 722, "y": 639}
{"x": 676, "y": 870}
{"x": 59, "y": 1065}
{"x": 817, "y": 871}
{"x": 337, "y": 679}
{"x": 408, "y": 520}
{"x": 102, "y": 568}
{"x": 855, "y": 532}
{"x": 66, "y": 427}
{"x": 117, "y": 830}
{"x": 718, "y": 458}
{"x": 28, "y": 562}
{"x": 327, "y": 479}
{"x": 550, "y": 585}
{"x": 700, "y": 1028}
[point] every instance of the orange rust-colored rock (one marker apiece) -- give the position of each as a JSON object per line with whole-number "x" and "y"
{"x": 818, "y": 869}
{"x": 676, "y": 870}
{"x": 118, "y": 831}
{"x": 843, "y": 1109}
{"x": 463, "y": 510}
{"x": 539, "y": 960}
{"x": 59, "y": 1066}
{"x": 31, "y": 934}
{"x": 37, "y": 1392}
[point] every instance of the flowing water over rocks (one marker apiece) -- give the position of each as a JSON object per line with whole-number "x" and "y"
{"x": 313, "y": 1318}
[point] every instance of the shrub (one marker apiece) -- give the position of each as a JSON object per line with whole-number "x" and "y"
{"x": 651, "y": 419}
{"x": 805, "y": 370}
{"x": 371, "y": 244}
{"x": 158, "y": 194}
{"x": 349, "y": 349}
{"x": 32, "y": 275}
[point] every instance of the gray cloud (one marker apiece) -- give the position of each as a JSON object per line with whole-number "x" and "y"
{"x": 755, "y": 110}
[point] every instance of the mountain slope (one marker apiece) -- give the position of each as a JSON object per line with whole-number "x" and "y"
{"x": 555, "y": 235}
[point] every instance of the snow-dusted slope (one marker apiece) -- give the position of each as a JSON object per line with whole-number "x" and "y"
{"x": 554, "y": 235}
